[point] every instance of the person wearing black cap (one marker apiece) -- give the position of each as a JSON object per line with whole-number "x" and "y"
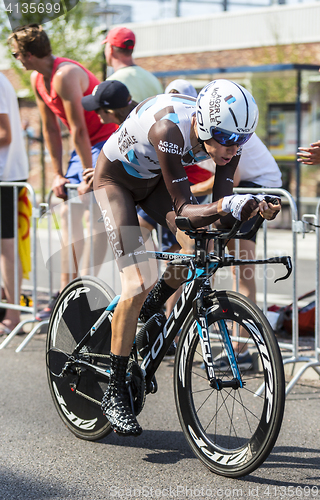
{"x": 111, "y": 101}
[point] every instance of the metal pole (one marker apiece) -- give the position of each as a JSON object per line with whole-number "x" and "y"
{"x": 298, "y": 118}
{"x": 265, "y": 255}
{"x": 317, "y": 318}
{"x": 43, "y": 166}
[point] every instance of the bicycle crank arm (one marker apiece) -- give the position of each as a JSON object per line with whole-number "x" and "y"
{"x": 218, "y": 384}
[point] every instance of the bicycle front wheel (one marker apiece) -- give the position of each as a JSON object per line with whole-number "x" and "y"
{"x": 76, "y": 391}
{"x": 232, "y": 431}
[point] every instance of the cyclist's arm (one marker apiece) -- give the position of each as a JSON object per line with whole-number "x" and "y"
{"x": 175, "y": 177}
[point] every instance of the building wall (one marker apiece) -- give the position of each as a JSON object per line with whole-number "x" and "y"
{"x": 254, "y": 27}
{"x": 308, "y": 53}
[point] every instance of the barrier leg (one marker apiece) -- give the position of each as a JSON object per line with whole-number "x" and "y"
{"x": 31, "y": 334}
{"x": 15, "y": 331}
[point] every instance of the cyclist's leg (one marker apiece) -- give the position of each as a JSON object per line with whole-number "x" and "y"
{"x": 173, "y": 276}
{"x": 138, "y": 274}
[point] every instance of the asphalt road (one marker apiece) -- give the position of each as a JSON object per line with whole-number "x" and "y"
{"x": 42, "y": 460}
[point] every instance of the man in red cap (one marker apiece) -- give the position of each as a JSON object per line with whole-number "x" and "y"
{"x": 118, "y": 52}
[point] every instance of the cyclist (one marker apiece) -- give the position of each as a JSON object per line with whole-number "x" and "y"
{"x": 142, "y": 162}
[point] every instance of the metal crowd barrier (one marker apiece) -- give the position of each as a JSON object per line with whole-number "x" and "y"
{"x": 73, "y": 197}
{"x": 46, "y": 212}
{"x": 297, "y": 226}
{"x": 312, "y": 362}
{"x": 16, "y": 305}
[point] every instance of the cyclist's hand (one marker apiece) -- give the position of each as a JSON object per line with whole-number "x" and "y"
{"x": 58, "y": 186}
{"x": 241, "y": 206}
{"x": 269, "y": 206}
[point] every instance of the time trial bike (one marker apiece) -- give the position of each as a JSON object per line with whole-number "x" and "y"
{"x": 231, "y": 417}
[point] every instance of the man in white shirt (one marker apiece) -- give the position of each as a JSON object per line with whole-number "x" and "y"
{"x": 13, "y": 167}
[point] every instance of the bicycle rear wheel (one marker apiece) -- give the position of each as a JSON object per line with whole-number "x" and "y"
{"x": 232, "y": 431}
{"x": 78, "y": 393}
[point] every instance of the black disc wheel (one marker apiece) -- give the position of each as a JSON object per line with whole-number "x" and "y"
{"x": 77, "y": 389}
{"x": 231, "y": 430}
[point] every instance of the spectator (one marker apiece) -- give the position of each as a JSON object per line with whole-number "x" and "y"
{"x": 111, "y": 101}
{"x": 141, "y": 83}
{"x": 59, "y": 85}
{"x": 310, "y": 155}
{"x": 180, "y": 86}
{"x": 13, "y": 167}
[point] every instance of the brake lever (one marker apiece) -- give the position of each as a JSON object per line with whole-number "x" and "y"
{"x": 286, "y": 261}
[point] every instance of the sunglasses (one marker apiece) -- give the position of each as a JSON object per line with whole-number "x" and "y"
{"x": 15, "y": 54}
{"x": 229, "y": 139}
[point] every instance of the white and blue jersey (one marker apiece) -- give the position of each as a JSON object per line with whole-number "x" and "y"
{"x": 133, "y": 145}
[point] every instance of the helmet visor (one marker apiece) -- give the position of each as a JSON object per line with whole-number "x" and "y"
{"x": 229, "y": 138}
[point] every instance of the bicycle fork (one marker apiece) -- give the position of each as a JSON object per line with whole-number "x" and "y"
{"x": 200, "y": 315}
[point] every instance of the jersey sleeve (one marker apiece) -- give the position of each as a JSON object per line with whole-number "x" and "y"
{"x": 169, "y": 143}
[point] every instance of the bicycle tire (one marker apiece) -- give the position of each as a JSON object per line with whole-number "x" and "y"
{"x": 77, "y": 396}
{"x": 231, "y": 431}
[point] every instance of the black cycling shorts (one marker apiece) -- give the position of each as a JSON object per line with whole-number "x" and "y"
{"x": 117, "y": 194}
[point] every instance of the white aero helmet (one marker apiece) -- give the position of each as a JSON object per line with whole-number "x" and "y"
{"x": 226, "y": 112}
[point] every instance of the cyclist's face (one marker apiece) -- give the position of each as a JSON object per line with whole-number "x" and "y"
{"x": 221, "y": 155}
